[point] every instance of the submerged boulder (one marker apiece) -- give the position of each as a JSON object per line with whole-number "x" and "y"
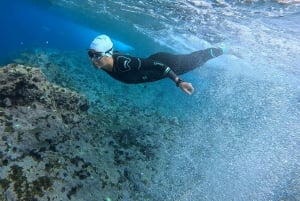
{"x": 51, "y": 148}
{"x": 23, "y": 85}
{"x": 37, "y": 118}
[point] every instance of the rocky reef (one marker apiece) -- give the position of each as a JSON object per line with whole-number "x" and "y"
{"x": 52, "y": 148}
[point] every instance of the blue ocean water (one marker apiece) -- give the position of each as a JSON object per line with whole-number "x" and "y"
{"x": 240, "y": 134}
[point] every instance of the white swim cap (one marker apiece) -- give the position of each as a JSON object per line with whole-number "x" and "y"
{"x": 101, "y": 43}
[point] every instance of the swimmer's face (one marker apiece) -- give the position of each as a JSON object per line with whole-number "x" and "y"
{"x": 99, "y": 59}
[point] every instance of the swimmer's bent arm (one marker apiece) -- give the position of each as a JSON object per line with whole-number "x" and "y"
{"x": 168, "y": 72}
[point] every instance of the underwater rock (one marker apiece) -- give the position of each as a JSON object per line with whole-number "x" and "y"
{"x": 22, "y": 85}
{"x": 36, "y": 118}
{"x": 52, "y": 148}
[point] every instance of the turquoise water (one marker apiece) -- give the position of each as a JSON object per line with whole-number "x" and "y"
{"x": 239, "y": 136}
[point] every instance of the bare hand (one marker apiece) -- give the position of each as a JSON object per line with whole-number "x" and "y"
{"x": 186, "y": 87}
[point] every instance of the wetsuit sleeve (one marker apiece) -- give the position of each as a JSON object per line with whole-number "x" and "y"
{"x": 166, "y": 71}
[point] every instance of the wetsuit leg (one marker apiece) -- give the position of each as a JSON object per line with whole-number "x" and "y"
{"x": 186, "y": 62}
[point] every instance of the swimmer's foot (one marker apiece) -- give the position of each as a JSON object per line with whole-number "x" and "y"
{"x": 230, "y": 51}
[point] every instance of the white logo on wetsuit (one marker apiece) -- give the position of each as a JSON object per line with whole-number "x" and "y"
{"x": 126, "y": 64}
{"x": 158, "y": 63}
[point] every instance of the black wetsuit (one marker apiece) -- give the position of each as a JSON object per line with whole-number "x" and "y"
{"x": 134, "y": 70}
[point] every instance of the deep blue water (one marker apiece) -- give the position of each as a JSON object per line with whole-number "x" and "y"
{"x": 32, "y": 24}
{"x": 241, "y": 137}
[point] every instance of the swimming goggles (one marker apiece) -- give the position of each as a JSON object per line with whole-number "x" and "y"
{"x": 99, "y": 55}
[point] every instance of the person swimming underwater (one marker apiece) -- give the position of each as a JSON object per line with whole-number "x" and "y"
{"x": 134, "y": 70}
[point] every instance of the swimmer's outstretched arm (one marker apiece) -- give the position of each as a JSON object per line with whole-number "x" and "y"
{"x": 168, "y": 72}
{"x": 186, "y": 87}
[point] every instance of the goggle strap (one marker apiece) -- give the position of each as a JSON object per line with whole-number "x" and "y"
{"x": 109, "y": 51}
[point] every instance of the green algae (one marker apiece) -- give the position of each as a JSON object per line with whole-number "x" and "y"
{"x": 40, "y": 185}
{"x": 9, "y": 129}
{"x": 19, "y": 180}
{"x": 73, "y": 191}
{"x": 4, "y": 184}
{"x": 26, "y": 190}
